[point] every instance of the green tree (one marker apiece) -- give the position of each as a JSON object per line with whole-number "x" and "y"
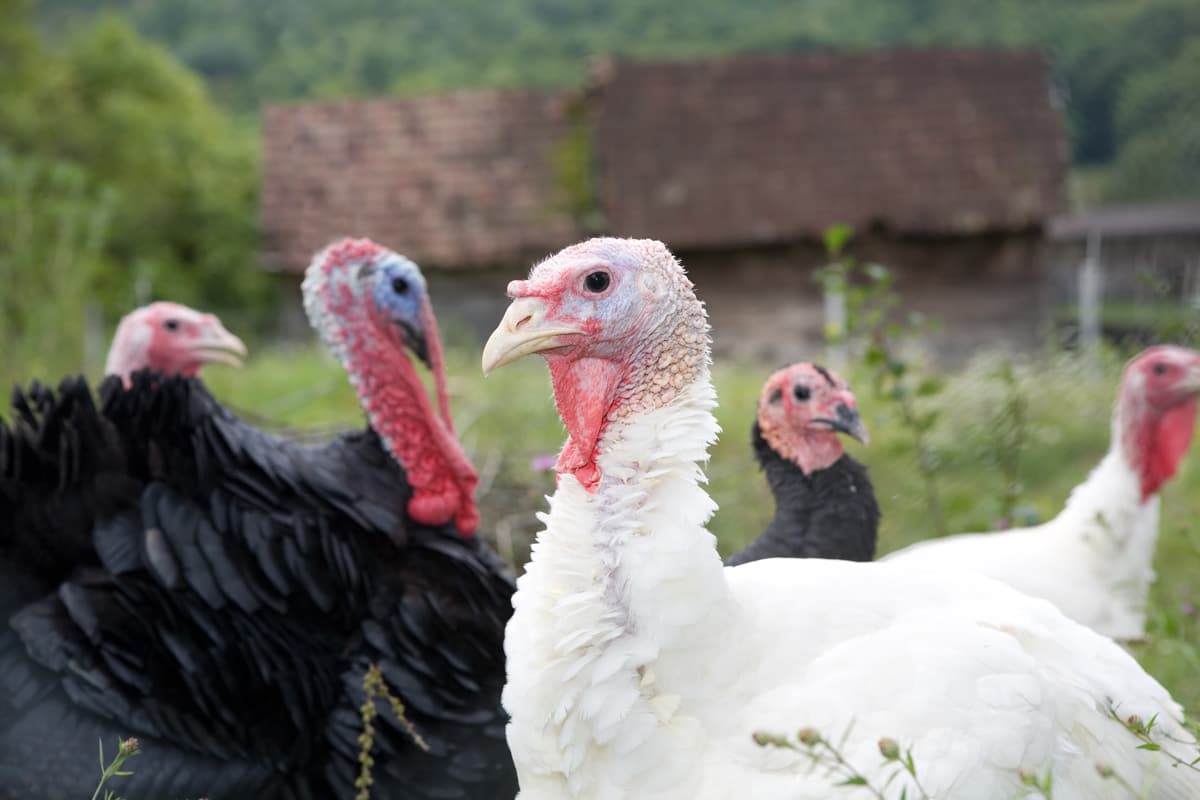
{"x": 53, "y": 224}
{"x": 1159, "y": 122}
{"x": 183, "y": 176}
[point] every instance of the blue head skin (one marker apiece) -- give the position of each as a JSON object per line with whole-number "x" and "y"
{"x": 400, "y": 295}
{"x": 353, "y": 277}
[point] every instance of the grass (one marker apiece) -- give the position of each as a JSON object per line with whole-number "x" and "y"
{"x": 508, "y": 420}
{"x": 1135, "y": 316}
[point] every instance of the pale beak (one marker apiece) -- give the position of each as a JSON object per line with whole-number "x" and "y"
{"x": 1191, "y": 382}
{"x": 218, "y": 346}
{"x": 846, "y": 420}
{"x": 522, "y": 331}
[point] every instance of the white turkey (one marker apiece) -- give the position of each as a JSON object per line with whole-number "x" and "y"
{"x": 640, "y": 667}
{"x": 1095, "y": 559}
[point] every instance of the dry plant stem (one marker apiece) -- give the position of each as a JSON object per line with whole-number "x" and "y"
{"x": 375, "y": 687}
{"x": 1141, "y": 730}
{"x": 822, "y": 752}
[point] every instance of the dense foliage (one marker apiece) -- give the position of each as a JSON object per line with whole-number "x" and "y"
{"x": 120, "y": 180}
{"x": 1103, "y": 50}
{"x": 1158, "y": 119}
{"x": 128, "y": 152}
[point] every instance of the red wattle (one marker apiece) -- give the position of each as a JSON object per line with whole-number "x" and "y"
{"x": 583, "y": 391}
{"x": 1169, "y": 440}
{"x": 439, "y": 472}
{"x": 433, "y": 342}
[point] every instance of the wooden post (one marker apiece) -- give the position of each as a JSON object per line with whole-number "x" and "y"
{"x": 835, "y": 325}
{"x": 1091, "y": 289}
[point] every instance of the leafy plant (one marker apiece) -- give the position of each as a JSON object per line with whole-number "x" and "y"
{"x": 574, "y": 171}
{"x": 1008, "y": 433}
{"x": 820, "y": 752}
{"x": 53, "y": 226}
{"x": 1038, "y": 785}
{"x": 177, "y": 177}
{"x": 126, "y": 749}
{"x": 872, "y": 330}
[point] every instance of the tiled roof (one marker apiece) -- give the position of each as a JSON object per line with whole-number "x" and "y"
{"x": 459, "y": 179}
{"x": 708, "y": 154}
{"x": 768, "y": 148}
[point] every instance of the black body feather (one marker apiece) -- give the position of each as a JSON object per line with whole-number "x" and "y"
{"x": 171, "y": 573}
{"x": 829, "y": 514}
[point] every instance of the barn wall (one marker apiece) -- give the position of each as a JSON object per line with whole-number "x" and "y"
{"x": 986, "y": 292}
{"x": 765, "y": 304}
{"x": 1138, "y": 269}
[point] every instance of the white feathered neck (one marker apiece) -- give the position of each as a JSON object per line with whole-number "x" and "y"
{"x": 1112, "y": 492}
{"x": 1111, "y": 534}
{"x": 623, "y": 597}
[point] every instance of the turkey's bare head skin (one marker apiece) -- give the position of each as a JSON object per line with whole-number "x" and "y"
{"x": 802, "y": 410}
{"x": 1156, "y": 412}
{"x": 172, "y": 339}
{"x": 617, "y": 335}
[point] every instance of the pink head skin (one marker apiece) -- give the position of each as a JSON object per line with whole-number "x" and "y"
{"x": 173, "y": 339}
{"x": 371, "y": 308}
{"x": 801, "y": 411}
{"x": 620, "y": 329}
{"x": 1156, "y": 412}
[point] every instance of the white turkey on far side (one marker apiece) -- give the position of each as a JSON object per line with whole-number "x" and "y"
{"x": 640, "y": 667}
{"x": 1095, "y": 559}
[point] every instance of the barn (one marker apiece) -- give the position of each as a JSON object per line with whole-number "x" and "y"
{"x": 949, "y": 165}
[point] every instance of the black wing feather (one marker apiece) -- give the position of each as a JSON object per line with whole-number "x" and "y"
{"x": 220, "y": 593}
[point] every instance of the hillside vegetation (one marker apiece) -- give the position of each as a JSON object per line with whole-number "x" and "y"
{"x": 129, "y": 135}
{"x": 1119, "y": 63}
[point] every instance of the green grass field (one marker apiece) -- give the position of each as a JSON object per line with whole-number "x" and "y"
{"x": 507, "y": 420}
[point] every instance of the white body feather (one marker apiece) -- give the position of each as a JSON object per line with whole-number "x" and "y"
{"x": 1094, "y": 561}
{"x": 639, "y": 667}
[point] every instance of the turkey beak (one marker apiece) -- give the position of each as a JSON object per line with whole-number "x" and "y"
{"x": 1191, "y": 380}
{"x": 414, "y": 340}
{"x": 846, "y": 420}
{"x": 523, "y": 330}
{"x": 218, "y": 346}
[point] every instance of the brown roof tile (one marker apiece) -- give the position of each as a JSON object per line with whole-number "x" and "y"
{"x": 460, "y": 179}
{"x": 767, "y": 148}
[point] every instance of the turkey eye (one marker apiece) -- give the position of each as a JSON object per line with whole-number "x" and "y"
{"x": 1159, "y": 369}
{"x": 801, "y": 393}
{"x": 171, "y": 324}
{"x": 399, "y": 285}
{"x": 597, "y": 282}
